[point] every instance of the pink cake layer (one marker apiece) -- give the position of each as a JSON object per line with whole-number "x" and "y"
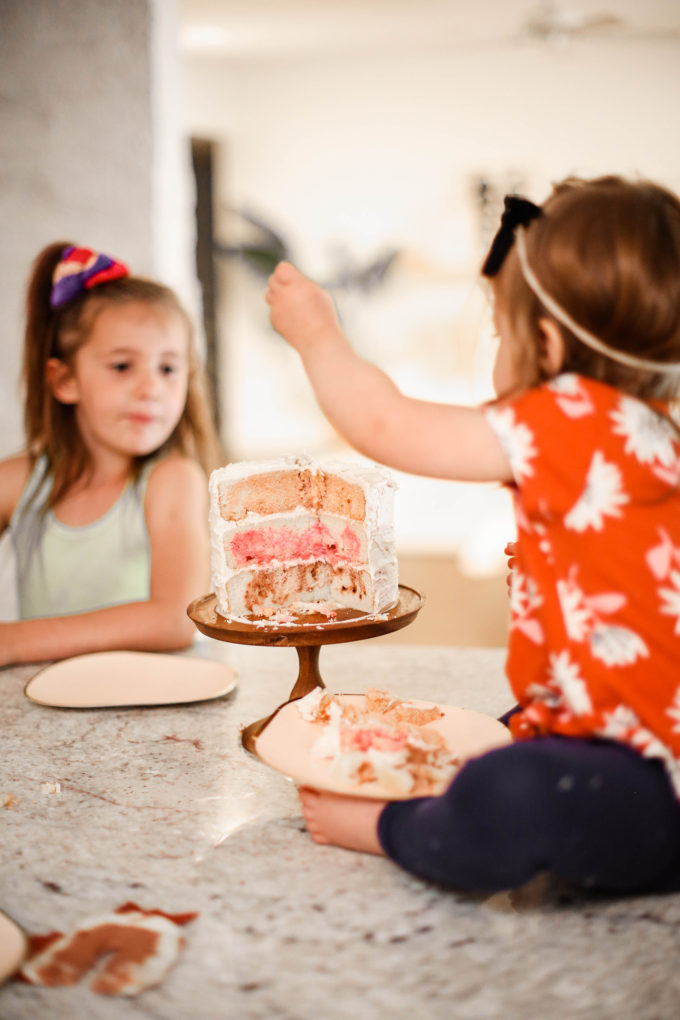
{"x": 275, "y": 542}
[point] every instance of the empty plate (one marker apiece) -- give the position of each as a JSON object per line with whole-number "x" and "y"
{"x": 125, "y": 679}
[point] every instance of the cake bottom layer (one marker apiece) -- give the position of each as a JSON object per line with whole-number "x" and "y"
{"x": 265, "y": 591}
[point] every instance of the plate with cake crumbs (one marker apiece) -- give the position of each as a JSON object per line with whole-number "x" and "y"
{"x": 375, "y": 744}
{"x": 13, "y": 947}
{"x": 129, "y": 679}
{"x": 121, "y": 953}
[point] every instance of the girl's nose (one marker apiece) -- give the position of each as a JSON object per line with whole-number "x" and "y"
{"x": 147, "y": 382}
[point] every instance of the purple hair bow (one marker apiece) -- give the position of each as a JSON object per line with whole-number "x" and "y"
{"x": 81, "y": 269}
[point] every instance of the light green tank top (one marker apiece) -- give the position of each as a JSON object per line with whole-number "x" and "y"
{"x": 63, "y": 569}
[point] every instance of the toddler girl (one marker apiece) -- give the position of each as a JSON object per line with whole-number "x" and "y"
{"x": 586, "y": 296}
{"x": 106, "y": 508}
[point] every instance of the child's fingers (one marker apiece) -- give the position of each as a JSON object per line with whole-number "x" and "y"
{"x": 283, "y": 275}
{"x": 510, "y": 551}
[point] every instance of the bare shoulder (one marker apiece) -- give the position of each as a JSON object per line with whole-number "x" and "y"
{"x": 176, "y": 483}
{"x": 14, "y": 472}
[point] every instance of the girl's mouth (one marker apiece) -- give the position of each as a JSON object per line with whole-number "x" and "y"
{"x": 142, "y": 419}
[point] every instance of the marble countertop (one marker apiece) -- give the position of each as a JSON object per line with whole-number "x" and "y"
{"x": 164, "y": 807}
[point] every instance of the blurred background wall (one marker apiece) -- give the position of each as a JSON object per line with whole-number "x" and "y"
{"x": 371, "y": 143}
{"x": 91, "y": 150}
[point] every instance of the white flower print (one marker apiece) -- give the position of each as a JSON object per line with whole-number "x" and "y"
{"x": 603, "y": 496}
{"x": 577, "y": 615}
{"x": 582, "y": 614}
{"x": 673, "y": 769}
{"x": 651, "y": 747}
{"x": 567, "y": 382}
{"x": 564, "y": 674}
{"x": 661, "y": 557}
{"x": 523, "y": 522}
{"x": 525, "y": 599}
{"x": 672, "y": 597}
{"x": 541, "y": 692}
{"x": 619, "y": 723}
{"x": 524, "y": 595}
{"x": 571, "y": 396}
{"x": 674, "y": 711}
{"x": 648, "y": 744}
{"x": 649, "y": 436}
{"x": 616, "y": 646}
{"x": 516, "y": 439}
{"x": 622, "y": 724}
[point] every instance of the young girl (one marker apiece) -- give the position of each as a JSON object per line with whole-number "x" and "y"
{"x": 107, "y": 507}
{"x": 587, "y": 308}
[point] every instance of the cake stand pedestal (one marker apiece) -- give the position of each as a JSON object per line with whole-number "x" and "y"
{"x": 306, "y": 634}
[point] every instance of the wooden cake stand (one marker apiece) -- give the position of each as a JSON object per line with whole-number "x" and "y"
{"x": 306, "y": 634}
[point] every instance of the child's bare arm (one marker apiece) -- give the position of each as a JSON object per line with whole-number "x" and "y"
{"x": 13, "y": 477}
{"x": 362, "y": 402}
{"x": 176, "y": 511}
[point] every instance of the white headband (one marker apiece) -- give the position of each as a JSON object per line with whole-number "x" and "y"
{"x": 591, "y": 341}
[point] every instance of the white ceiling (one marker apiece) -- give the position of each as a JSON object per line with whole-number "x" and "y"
{"x": 268, "y": 28}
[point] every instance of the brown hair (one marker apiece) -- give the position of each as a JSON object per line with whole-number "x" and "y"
{"x": 50, "y": 426}
{"x": 608, "y": 251}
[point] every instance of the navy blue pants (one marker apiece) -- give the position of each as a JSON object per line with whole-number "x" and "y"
{"x": 592, "y": 812}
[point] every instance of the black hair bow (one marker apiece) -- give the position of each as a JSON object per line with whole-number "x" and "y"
{"x": 518, "y": 212}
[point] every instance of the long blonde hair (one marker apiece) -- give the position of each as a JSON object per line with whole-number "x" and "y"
{"x": 50, "y": 426}
{"x": 607, "y": 250}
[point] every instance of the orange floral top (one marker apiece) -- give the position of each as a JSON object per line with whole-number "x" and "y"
{"x": 594, "y": 648}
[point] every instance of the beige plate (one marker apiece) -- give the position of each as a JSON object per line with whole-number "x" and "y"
{"x": 124, "y": 679}
{"x": 13, "y": 947}
{"x": 286, "y": 745}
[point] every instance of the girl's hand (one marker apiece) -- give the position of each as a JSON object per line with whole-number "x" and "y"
{"x": 300, "y": 310}
{"x": 349, "y": 822}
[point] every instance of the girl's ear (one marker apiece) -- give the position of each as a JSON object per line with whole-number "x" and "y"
{"x": 551, "y": 357}
{"x": 61, "y": 381}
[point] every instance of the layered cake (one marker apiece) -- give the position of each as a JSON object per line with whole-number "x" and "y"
{"x": 293, "y": 535}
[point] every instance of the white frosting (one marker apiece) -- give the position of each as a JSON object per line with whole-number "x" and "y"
{"x": 309, "y": 705}
{"x": 379, "y": 489}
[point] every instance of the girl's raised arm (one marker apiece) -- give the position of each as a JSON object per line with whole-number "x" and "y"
{"x": 176, "y": 513}
{"x": 365, "y": 406}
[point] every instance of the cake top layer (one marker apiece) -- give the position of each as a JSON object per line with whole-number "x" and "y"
{"x": 342, "y": 488}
